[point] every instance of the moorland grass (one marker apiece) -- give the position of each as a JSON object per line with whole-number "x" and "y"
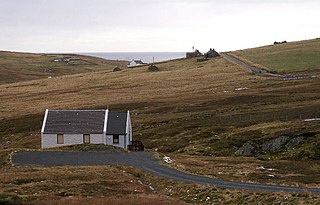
{"x": 187, "y": 107}
{"x": 17, "y": 67}
{"x": 292, "y": 57}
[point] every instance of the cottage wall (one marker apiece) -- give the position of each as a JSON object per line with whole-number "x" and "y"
{"x": 121, "y": 141}
{"x": 132, "y": 64}
{"x": 97, "y": 139}
{"x": 50, "y": 140}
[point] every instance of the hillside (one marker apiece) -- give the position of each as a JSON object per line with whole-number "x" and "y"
{"x": 178, "y": 109}
{"x": 16, "y": 67}
{"x": 291, "y": 57}
{"x": 198, "y": 113}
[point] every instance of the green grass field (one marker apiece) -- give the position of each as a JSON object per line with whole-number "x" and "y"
{"x": 292, "y": 57}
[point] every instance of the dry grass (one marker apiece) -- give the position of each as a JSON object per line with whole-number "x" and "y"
{"x": 246, "y": 169}
{"x": 139, "y": 199}
{"x": 76, "y": 185}
{"x": 187, "y": 107}
{"x": 202, "y": 194}
{"x": 16, "y": 67}
{"x": 185, "y": 103}
{"x": 120, "y": 185}
{"x": 181, "y": 79}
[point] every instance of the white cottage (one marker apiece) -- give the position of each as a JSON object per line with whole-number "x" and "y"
{"x": 69, "y": 127}
{"x": 135, "y": 63}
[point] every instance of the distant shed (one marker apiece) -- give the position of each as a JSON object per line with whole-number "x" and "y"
{"x": 194, "y": 54}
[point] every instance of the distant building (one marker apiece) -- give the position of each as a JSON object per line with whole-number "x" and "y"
{"x": 135, "y": 63}
{"x": 276, "y": 42}
{"x": 69, "y": 127}
{"x": 211, "y": 53}
{"x": 66, "y": 59}
{"x": 194, "y": 54}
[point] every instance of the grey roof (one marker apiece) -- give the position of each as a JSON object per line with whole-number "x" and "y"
{"x": 75, "y": 122}
{"x": 138, "y": 61}
{"x": 117, "y": 122}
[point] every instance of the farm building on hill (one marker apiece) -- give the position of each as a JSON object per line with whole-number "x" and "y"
{"x": 135, "y": 63}
{"x": 69, "y": 127}
{"x": 211, "y": 53}
{"x": 194, "y": 54}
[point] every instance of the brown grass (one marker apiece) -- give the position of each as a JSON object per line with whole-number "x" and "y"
{"x": 248, "y": 169}
{"x": 77, "y": 185}
{"x": 16, "y": 67}
{"x": 119, "y": 185}
{"x": 187, "y": 107}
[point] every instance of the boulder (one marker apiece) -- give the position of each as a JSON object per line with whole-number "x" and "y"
{"x": 275, "y": 144}
{"x": 115, "y": 69}
{"x": 153, "y": 68}
{"x": 294, "y": 142}
{"x": 246, "y": 150}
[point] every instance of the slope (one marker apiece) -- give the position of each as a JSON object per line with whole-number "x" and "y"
{"x": 198, "y": 113}
{"x": 297, "y": 57}
{"x": 16, "y": 67}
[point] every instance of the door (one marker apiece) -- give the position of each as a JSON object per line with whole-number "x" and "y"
{"x": 86, "y": 139}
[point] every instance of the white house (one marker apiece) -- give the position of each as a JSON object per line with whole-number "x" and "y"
{"x": 69, "y": 127}
{"x": 135, "y": 63}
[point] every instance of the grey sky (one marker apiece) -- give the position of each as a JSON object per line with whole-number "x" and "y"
{"x": 153, "y": 25}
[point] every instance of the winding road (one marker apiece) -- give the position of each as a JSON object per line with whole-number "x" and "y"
{"x": 264, "y": 72}
{"x": 141, "y": 160}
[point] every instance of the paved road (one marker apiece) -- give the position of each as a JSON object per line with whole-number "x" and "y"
{"x": 142, "y": 160}
{"x": 266, "y": 73}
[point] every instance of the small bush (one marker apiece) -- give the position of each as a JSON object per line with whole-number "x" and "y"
{"x": 13, "y": 199}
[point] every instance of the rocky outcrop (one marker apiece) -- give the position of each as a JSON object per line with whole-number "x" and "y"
{"x": 246, "y": 150}
{"x": 116, "y": 69}
{"x": 275, "y": 144}
{"x": 153, "y": 68}
{"x": 281, "y": 143}
{"x": 294, "y": 142}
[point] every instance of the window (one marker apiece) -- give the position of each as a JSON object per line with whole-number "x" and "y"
{"x": 60, "y": 139}
{"x": 86, "y": 139}
{"x": 115, "y": 139}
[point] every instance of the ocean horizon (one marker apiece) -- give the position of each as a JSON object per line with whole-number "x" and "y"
{"x": 146, "y": 57}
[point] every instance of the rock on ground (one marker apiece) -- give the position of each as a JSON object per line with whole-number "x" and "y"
{"x": 275, "y": 144}
{"x": 246, "y": 150}
{"x": 294, "y": 142}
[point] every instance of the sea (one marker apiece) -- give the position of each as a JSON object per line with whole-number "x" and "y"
{"x": 146, "y": 57}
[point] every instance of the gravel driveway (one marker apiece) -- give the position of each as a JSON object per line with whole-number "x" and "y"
{"x": 142, "y": 160}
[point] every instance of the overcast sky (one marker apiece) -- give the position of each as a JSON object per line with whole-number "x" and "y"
{"x": 153, "y": 25}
